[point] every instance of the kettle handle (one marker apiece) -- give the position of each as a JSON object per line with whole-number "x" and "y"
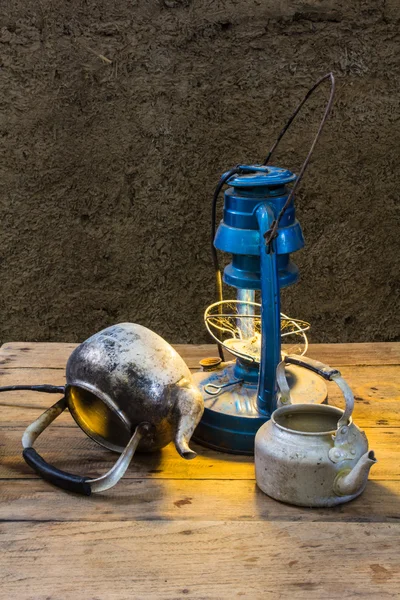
{"x": 328, "y": 373}
{"x": 68, "y": 481}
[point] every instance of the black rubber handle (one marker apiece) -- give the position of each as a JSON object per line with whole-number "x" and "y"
{"x": 67, "y": 481}
{"x": 313, "y": 365}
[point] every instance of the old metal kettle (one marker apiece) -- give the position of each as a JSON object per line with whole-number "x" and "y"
{"x": 126, "y": 387}
{"x": 308, "y": 454}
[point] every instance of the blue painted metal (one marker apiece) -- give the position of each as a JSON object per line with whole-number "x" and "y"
{"x": 231, "y": 419}
{"x": 270, "y": 317}
{"x": 239, "y": 234}
{"x": 247, "y": 371}
{"x": 262, "y": 176}
{"x": 251, "y": 203}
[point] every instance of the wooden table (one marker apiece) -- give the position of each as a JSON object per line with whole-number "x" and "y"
{"x": 192, "y": 529}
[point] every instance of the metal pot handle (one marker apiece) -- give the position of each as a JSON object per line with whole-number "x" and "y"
{"x": 328, "y": 373}
{"x": 68, "y": 481}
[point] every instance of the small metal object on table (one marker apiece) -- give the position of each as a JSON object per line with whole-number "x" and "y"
{"x": 200, "y": 529}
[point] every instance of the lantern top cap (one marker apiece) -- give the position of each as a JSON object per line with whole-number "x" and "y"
{"x": 259, "y": 175}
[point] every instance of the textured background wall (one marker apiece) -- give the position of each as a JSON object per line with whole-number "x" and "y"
{"x": 117, "y": 118}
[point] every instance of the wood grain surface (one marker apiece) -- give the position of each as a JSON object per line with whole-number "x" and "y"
{"x": 192, "y": 529}
{"x": 186, "y": 499}
{"x": 376, "y": 391}
{"x": 200, "y": 559}
{"x": 71, "y": 450}
{"x": 55, "y": 355}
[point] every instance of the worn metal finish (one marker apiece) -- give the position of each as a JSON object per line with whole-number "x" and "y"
{"x": 109, "y": 479}
{"x": 127, "y": 388}
{"x": 313, "y": 455}
{"x": 231, "y": 418}
{"x": 126, "y": 375}
{"x": 240, "y": 234}
{"x": 33, "y": 430}
{"x": 100, "y": 484}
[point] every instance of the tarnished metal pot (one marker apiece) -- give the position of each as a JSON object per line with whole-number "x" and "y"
{"x": 126, "y": 388}
{"x": 312, "y": 455}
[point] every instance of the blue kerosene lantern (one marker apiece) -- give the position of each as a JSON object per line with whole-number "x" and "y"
{"x": 259, "y": 230}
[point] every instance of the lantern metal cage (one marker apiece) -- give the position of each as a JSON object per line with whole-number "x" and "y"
{"x": 236, "y": 325}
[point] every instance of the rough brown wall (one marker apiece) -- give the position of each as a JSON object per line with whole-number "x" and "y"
{"x": 117, "y": 118}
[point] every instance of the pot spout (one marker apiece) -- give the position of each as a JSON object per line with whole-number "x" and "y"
{"x": 353, "y": 482}
{"x": 189, "y": 408}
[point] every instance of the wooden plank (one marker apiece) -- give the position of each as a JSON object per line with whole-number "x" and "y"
{"x": 377, "y": 395}
{"x": 70, "y": 449}
{"x": 377, "y": 392}
{"x": 32, "y": 376}
{"x": 201, "y": 560}
{"x": 55, "y": 355}
{"x": 23, "y": 407}
{"x": 199, "y": 500}
{"x": 35, "y": 355}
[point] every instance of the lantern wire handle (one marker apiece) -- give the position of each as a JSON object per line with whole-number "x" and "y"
{"x": 272, "y": 233}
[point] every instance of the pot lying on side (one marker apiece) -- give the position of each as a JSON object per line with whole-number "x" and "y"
{"x": 126, "y": 388}
{"x": 312, "y": 455}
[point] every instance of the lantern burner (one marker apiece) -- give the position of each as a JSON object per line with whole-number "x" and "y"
{"x": 236, "y": 325}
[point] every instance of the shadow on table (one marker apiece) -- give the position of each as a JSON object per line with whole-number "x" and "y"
{"x": 380, "y": 502}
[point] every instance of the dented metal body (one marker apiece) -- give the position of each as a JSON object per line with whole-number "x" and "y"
{"x": 138, "y": 377}
{"x": 312, "y": 455}
{"x": 127, "y": 388}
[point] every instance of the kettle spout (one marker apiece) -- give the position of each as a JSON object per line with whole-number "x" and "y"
{"x": 353, "y": 482}
{"x": 189, "y": 409}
